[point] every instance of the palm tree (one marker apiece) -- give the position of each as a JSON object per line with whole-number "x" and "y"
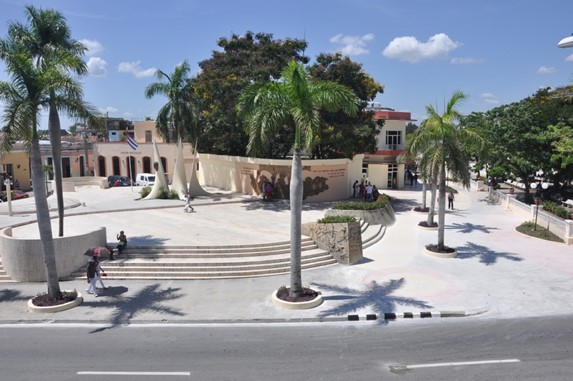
{"x": 439, "y": 142}
{"x": 48, "y": 39}
{"x": 294, "y": 101}
{"x": 28, "y": 91}
{"x": 177, "y": 118}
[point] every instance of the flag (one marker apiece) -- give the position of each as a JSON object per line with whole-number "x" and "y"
{"x": 132, "y": 143}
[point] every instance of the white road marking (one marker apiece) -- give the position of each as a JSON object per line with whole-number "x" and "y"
{"x": 134, "y": 373}
{"x": 402, "y": 368}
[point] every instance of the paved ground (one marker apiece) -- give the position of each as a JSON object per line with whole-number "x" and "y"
{"x": 498, "y": 273}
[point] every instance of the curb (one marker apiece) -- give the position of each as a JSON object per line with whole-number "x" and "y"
{"x": 164, "y": 322}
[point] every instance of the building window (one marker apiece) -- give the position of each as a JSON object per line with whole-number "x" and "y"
{"x": 393, "y": 139}
{"x": 148, "y": 136}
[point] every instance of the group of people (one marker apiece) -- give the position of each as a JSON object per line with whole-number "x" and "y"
{"x": 365, "y": 191}
{"x": 94, "y": 272}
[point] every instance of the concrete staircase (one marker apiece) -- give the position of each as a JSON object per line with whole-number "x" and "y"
{"x": 4, "y": 278}
{"x": 216, "y": 262}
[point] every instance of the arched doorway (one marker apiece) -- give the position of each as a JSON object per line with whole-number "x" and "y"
{"x": 115, "y": 166}
{"x": 147, "y": 167}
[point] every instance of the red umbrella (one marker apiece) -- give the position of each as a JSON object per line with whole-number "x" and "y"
{"x": 97, "y": 251}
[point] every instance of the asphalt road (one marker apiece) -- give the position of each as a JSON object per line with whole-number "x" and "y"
{"x": 464, "y": 349}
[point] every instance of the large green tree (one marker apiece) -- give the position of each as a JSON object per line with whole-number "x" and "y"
{"x": 240, "y": 61}
{"x": 48, "y": 39}
{"x": 295, "y": 101}
{"x": 341, "y": 135}
{"x": 439, "y": 141}
{"x": 177, "y": 119}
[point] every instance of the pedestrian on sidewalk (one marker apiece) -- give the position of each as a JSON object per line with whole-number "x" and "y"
{"x": 187, "y": 208}
{"x": 451, "y": 200}
{"x": 91, "y": 276}
{"x": 99, "y": 274}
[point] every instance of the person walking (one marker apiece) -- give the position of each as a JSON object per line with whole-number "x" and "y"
{"x": 91, "y": 276}
{"x": 369, "y": 192}
{"x": 451, "y": 200}
{"x": 187, "y": 208}
{"x": 99, "y": 274}
{"x": 355, "y": 189}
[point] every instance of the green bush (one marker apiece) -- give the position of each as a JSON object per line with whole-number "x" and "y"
{"x": 145, "y": 191}
{"x": 556, "y": 209}
{"x": 380, "y": 203}
{"x": 337, "y": 219}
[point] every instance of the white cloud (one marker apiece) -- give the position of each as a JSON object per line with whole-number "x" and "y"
{"x": 466, "y": 60}
{"x": 546, "y": 70}
{"x": 490, "y": 98}
{"x": 353, "y": 45}
{"x": 133, "y": 67}
{"x": 97, "y": 67}
{"x": 411, "y": 50}
{"x": 94, "y": 47}
{"x": 569, "y": 58}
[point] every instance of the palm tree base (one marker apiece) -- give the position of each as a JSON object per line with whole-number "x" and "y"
{"x": 41, "y": 304}
{"x": 309, "y": 299}
{"x": 420, "y": 209}
{"x": 424, "y": 225}
{"x": 444, "y": 252}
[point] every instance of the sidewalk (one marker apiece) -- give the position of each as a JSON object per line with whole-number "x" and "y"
{"x": 498, "y": 272}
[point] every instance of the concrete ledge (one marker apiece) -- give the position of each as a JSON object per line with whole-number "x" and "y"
{"x": 69, "y": 184}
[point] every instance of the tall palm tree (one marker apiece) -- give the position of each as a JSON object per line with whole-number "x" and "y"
{"x": 24, "y": 96}
{"x": 176, "y": 119}
{"x": 439, "y": 141}
{"x": 48, "y": 39}
{"x": 294, "y": 101}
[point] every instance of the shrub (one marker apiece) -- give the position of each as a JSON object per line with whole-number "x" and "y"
{"x": 336, "y": 219}
{"x": 380, "y": 203}
{"x": 145, "y": 191}
{"x": 556, "y": 209}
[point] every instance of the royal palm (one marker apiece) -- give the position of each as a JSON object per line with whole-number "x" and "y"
{"x": 294, "y": 101}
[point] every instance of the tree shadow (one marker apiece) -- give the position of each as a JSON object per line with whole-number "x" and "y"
{"x": 148, "y": 299}
{"x": 486, "y": 256}
{"x": 403, "y": 205}
{"x": 146, "y": 240}
{"x": 378, "y": 296}
{"x": 282, "y": 205}
{"x": 8, "y": 295}
{"x": 469, "y": 228}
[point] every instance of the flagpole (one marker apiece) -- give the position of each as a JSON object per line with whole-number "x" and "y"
{"x": 130, "y": 170}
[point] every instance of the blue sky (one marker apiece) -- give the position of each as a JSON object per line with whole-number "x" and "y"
{"x": 496, "y": 51}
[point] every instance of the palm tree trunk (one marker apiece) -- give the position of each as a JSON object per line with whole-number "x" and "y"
{"x": 432, "y": 212}
{"x": 442, "y": 207}
{"x": 296, "y": 191}
{"x": 56, "y": 143}
{"x": 424, "y": 196}
{"x": 44, "y": 222}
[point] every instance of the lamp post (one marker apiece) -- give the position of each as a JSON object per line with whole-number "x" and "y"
{"x": 537, "y": 186}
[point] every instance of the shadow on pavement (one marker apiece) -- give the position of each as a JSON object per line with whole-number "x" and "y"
{"x": 469, "y": 228}
{"x": 486, "y": 256}
{"x": 378, "y": 296}
{"x": 148, "y": 299}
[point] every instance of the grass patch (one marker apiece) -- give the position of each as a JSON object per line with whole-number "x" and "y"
{"x": 337, "y": 219}
{"x": 361, "y": 205}
{"x": 540, "y": 232}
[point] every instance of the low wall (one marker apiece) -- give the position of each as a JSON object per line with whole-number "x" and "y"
{"x": 23, "y": 259}
{"x": 342, "y": 240}
{"x": 69, "y": 183}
